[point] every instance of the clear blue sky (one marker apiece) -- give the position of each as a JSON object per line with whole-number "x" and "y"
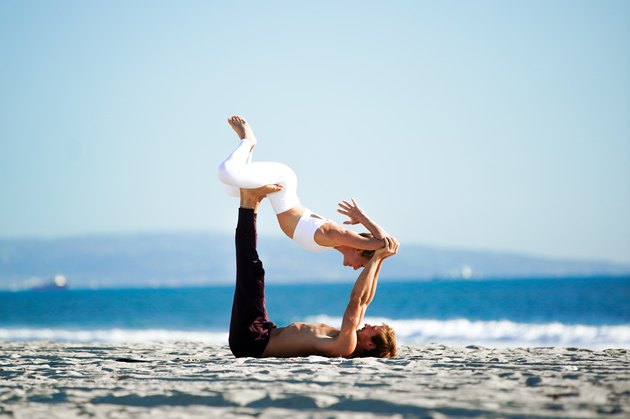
{"x": 485, "y": 125}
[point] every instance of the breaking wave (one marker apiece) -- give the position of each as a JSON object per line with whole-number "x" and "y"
{"x": 112, "y": 335}
{"x": 456, "y": 332}
{"x": 500, "y": 333}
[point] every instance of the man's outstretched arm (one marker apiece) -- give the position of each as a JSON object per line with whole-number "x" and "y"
{"x": 361, "y": 296}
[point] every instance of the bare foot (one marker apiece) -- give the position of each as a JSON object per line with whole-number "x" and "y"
{"x": 242, "y": 129}
{"x": 251, "y": 198}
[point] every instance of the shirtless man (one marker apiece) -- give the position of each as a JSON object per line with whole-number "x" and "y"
{"x": 253, "y": 334}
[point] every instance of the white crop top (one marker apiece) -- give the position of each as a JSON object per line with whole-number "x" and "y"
{"x": 305, "y": 229}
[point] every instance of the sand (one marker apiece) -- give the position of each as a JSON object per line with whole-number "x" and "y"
{"x": 185, "y": 380}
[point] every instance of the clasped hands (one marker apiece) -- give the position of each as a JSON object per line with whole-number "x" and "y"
{"x": 357, "y": 216}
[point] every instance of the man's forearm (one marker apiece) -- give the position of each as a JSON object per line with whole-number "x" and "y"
{"x": 363, "y": 286}
{"x": 375, "y": 281}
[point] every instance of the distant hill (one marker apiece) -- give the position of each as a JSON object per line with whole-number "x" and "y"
{"x": 186, "y": 259}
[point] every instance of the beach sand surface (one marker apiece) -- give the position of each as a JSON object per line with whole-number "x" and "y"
{"x": 187, "y": 379}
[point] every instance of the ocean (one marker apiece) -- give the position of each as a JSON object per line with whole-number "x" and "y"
{"x": 569, "y": 312}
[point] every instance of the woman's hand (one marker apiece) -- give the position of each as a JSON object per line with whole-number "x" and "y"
{"x": 352, "y": 211}
{"x": 390, "y": 248}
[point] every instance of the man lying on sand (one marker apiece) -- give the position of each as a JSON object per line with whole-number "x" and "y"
{"x": 253, "y": 334}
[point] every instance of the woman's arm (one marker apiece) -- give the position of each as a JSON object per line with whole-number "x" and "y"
{"x": 357, "y": 216}
{"x": 333, "y": 235}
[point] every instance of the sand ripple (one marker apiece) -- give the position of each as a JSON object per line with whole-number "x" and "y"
{"x": 182, "y": 379}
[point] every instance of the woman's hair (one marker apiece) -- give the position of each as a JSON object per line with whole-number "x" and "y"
{"x": 385, "y": 341}
{"x": 367, "y": 253}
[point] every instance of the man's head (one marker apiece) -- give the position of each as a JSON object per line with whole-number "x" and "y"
{"x": 357, "y": 258}
{"x": 376, "y": 341}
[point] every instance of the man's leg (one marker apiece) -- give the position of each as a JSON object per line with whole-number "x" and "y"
{"x": 249, "y": 325}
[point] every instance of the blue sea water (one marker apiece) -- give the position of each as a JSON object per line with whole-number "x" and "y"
{"x": 580, "y": 312}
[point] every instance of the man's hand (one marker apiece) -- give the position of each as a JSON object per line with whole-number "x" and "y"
{"x": 352, "y": 211}
{"x": 390, "y": 248}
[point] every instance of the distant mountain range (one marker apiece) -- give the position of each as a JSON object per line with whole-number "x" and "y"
{"x": 188, "y": 259}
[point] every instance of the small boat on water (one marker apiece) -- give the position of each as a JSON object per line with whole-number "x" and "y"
{"x": 58, "y": 282}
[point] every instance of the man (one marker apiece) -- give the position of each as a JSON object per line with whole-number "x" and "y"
{"x": 253, "y": 334}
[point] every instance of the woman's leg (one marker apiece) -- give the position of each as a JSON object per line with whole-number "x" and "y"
{"x": 237, "y": 173}
{"x": 240, "y": 157}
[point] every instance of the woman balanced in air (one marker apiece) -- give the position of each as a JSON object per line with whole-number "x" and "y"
{"x": 309, "y": 230}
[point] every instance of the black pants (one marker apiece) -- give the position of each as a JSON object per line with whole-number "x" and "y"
{"x": 250, "y": 326}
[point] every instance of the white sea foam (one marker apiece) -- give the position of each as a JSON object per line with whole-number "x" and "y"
{"x": 457, "y": 332}
{"x": 113, "y": 335}
{"x": 500, "y": 333}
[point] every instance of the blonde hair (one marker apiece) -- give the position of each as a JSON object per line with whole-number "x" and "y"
{"x": 385, "y": 341}
{"x": 367, "y": 253}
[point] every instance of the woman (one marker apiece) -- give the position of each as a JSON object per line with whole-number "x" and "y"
{"x": 309, "y": 230}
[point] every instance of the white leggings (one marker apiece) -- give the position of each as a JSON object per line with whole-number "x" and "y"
{"x": 237, "y": 171}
